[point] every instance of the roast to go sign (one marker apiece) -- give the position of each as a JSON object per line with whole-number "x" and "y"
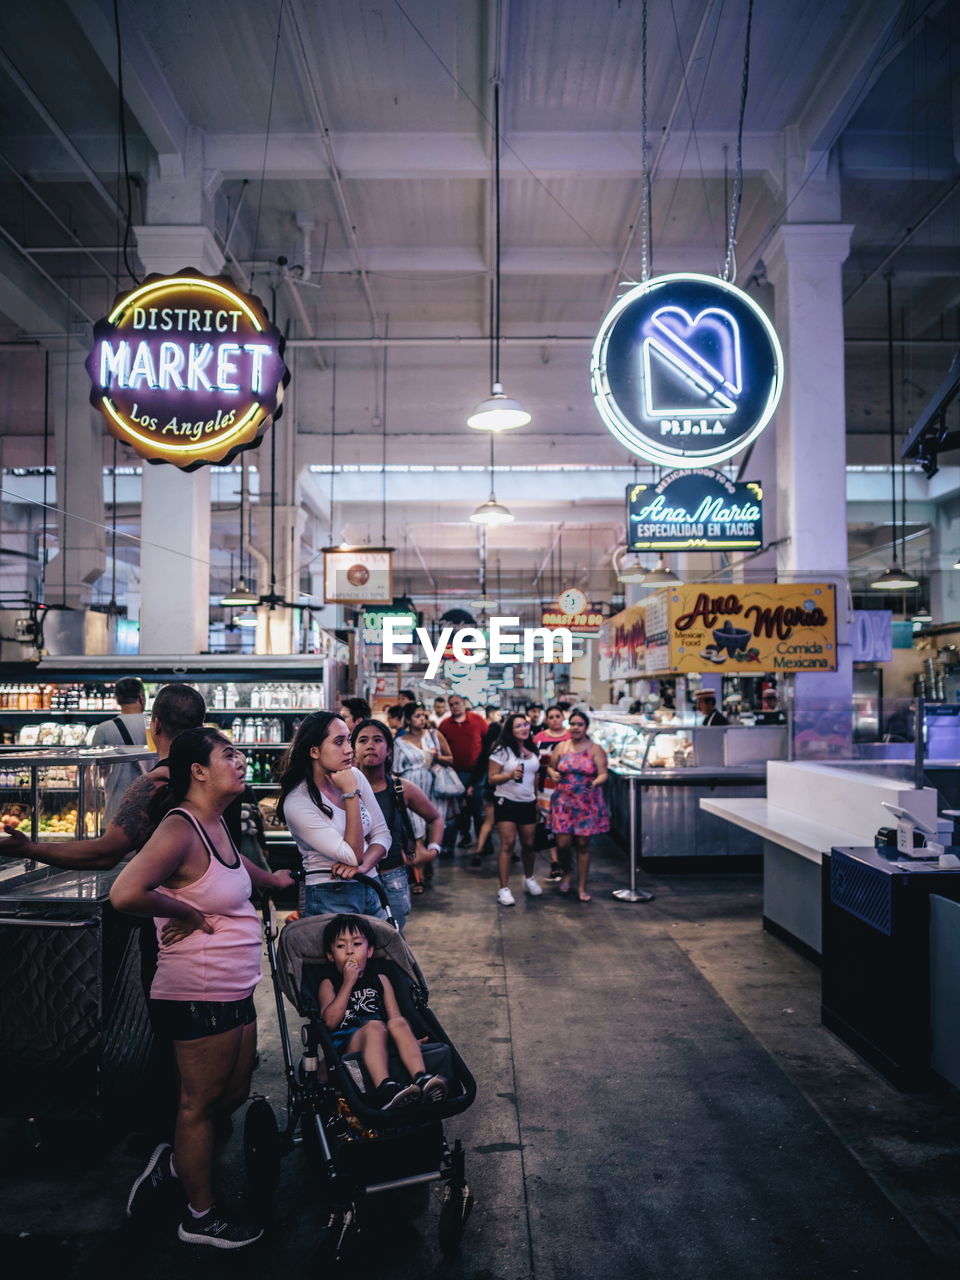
{"x": 686, "y": 370}
{"x": 696, "y": 509}
{"x": 188, "y": 370}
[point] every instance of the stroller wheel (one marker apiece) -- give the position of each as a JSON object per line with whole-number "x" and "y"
{"x": 457, "y": 1203}
{"x": 335, "y": 1236}
{"x": 261, "y": 1150}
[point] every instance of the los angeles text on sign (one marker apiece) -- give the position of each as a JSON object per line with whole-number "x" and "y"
{"x": 699, "y": 509}
{"x": 187, "y": 370}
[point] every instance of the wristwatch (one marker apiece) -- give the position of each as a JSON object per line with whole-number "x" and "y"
{"x": 349, "y": 795}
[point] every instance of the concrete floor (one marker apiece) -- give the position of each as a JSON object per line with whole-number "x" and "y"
{"x": 656, "y": 1098}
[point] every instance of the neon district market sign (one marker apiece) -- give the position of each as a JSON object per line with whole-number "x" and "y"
{"x": 695, "y": 509}
{"x": 686, "y": 370}
{"x": 188, "y": 370}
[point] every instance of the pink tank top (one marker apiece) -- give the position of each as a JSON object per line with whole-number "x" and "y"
{"x": 219, "y": 966}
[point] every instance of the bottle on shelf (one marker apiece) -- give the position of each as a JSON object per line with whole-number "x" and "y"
{"x": 236, "y": 730}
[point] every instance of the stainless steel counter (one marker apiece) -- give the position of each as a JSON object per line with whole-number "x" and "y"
{"x": 672, "y": 829}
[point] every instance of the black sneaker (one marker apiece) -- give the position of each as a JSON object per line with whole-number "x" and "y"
{"x": 445, "y": 854}
{"x": 465, "y": 843}
{"x": 216, "y": 1230}
{"x": 556, "y": 871}
{"x": 391, "y": 1095}
{"x": 477, "y": 859}
{"x": 154, "y": 1184}
{"x": 433, "y": 1088}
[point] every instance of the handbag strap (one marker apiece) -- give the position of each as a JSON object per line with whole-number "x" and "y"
{"x": 123, "y": 731}
{"x": 401, "y": 803}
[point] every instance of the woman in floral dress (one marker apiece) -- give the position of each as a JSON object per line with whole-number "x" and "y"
{"x": 415, "y": 752}
{"x": 578, "y": 810}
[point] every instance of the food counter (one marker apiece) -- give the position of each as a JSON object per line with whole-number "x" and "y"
{"x": 672, "y": 768}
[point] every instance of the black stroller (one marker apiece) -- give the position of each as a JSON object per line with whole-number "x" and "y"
{"x": 360, "y": 1151}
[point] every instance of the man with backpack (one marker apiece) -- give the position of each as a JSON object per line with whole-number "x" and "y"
{"x": 128, "y": 729}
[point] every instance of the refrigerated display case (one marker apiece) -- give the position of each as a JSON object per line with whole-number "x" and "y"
{"x": 672, "y": 767}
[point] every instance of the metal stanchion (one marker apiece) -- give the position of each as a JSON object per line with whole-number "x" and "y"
{"x": 633, "y": 894}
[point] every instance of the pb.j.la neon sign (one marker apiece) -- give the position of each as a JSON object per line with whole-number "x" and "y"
{"x": 686, "y": 370}
{"x": 188, "y": 370}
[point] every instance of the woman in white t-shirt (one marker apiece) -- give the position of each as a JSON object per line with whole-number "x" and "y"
{"x": 513, "y": 778}
{"x": 333, "y": 817}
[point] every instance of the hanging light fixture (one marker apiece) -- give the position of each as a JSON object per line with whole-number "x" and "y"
{"x": 894, "y": 578}
{"x": 492, "y": 511}
{"x": 629, "y": 567}
{"x": 661, "y": 576}
{"x": 922, "y": 614}
{"x": 240, "y": 593}
{"x": 247, "y": 620}
{"x": 498, "y": 412}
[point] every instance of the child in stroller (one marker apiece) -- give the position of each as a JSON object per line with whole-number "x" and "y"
{"x": 359, "y": 1008}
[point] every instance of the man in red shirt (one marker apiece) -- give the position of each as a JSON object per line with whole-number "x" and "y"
{"x": 463, "y": 730}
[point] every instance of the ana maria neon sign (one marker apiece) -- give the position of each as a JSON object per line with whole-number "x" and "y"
{"x": 686, "y": 370}
{"x": 187, "y": 370}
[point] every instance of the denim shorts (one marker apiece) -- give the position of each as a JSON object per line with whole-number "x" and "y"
{"x": 342, "y": 897}
{"x": 196, "y": 1019}
{"x": 396, "y": 885}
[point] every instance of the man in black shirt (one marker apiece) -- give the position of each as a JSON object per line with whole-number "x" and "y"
{"x": 706, "y": 701}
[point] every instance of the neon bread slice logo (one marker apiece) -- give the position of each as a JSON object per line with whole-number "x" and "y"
{"x": 675, "y": 339}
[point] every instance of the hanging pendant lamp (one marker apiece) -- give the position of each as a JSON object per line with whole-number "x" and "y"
{"x": 662, "y": 576}
{"x": 894, "y": 578}
{"x": 629, "y": 567}
{"x": 498, "y": 412}
{"x": 492, "y": 511}
{"x": 240, "y": 593}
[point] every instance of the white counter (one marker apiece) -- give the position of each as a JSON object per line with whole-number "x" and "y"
{"x": 809, "y": 809}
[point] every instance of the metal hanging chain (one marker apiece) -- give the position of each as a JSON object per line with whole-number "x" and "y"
{"x": 730, "y": 261}
{"x": 644, "y": 168}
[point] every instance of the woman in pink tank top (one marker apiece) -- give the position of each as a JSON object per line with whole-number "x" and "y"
{"x": 191, "y": 878}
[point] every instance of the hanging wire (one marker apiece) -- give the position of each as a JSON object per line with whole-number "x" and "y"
{"x": 266, "y": 144}
{"x": 383, "y": 438}
{"x": 892, "y": 412}
{"x": 122, "y": 122}
{"x": 645, "y": 252}
{"x": 46, "y": 466}
{"x": 730, "y": 261}
{"x": 333, "y": 439}
{"x": 496, "y": 221}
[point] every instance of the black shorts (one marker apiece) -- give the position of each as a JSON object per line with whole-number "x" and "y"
{"x": 195, "y": 1019}
{"x": 521, "y": 812}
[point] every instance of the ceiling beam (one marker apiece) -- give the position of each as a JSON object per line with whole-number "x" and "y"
{"x": 874, "y": 35}
{"x": 146, "y": 90}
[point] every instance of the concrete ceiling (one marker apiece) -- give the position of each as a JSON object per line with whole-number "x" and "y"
{"x": 380, "y": 133}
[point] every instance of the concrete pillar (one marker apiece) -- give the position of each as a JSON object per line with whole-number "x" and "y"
{"x": 175, "y": 553}
{"x": 804, "y": 263}
{"x": 944, "y": 553}
{"x": 78, "y": 438}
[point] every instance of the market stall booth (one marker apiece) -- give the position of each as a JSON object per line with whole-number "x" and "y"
{"x": 691, "y": 639}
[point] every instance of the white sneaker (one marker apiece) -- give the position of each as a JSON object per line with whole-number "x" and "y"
{"x": 506, "y": 898}
{"x": 532, "y": 887}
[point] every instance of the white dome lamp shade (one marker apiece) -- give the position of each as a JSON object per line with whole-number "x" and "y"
{"x": 499, "y": 412}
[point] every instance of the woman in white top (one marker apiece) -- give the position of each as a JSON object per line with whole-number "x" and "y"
{"x": 513, "y": 776}
{"x": 415, "y": 754}
{"x": 334, "y": 818}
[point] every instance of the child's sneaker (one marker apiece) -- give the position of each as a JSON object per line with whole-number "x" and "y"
{"x": 391, "y": 1095}
{"x": 216, "y": 1230}
{"x": 433, "y": 1088}
{"x": 153, "y": 1185}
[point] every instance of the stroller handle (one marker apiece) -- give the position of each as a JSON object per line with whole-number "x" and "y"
{"x": 376, "y": 886}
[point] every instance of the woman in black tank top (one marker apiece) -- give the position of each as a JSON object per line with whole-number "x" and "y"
{"x": 373, "y": 747}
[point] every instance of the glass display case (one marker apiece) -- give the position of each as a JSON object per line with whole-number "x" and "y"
{"x": 634, "y": 744}
{"x": 57, "y": 793}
